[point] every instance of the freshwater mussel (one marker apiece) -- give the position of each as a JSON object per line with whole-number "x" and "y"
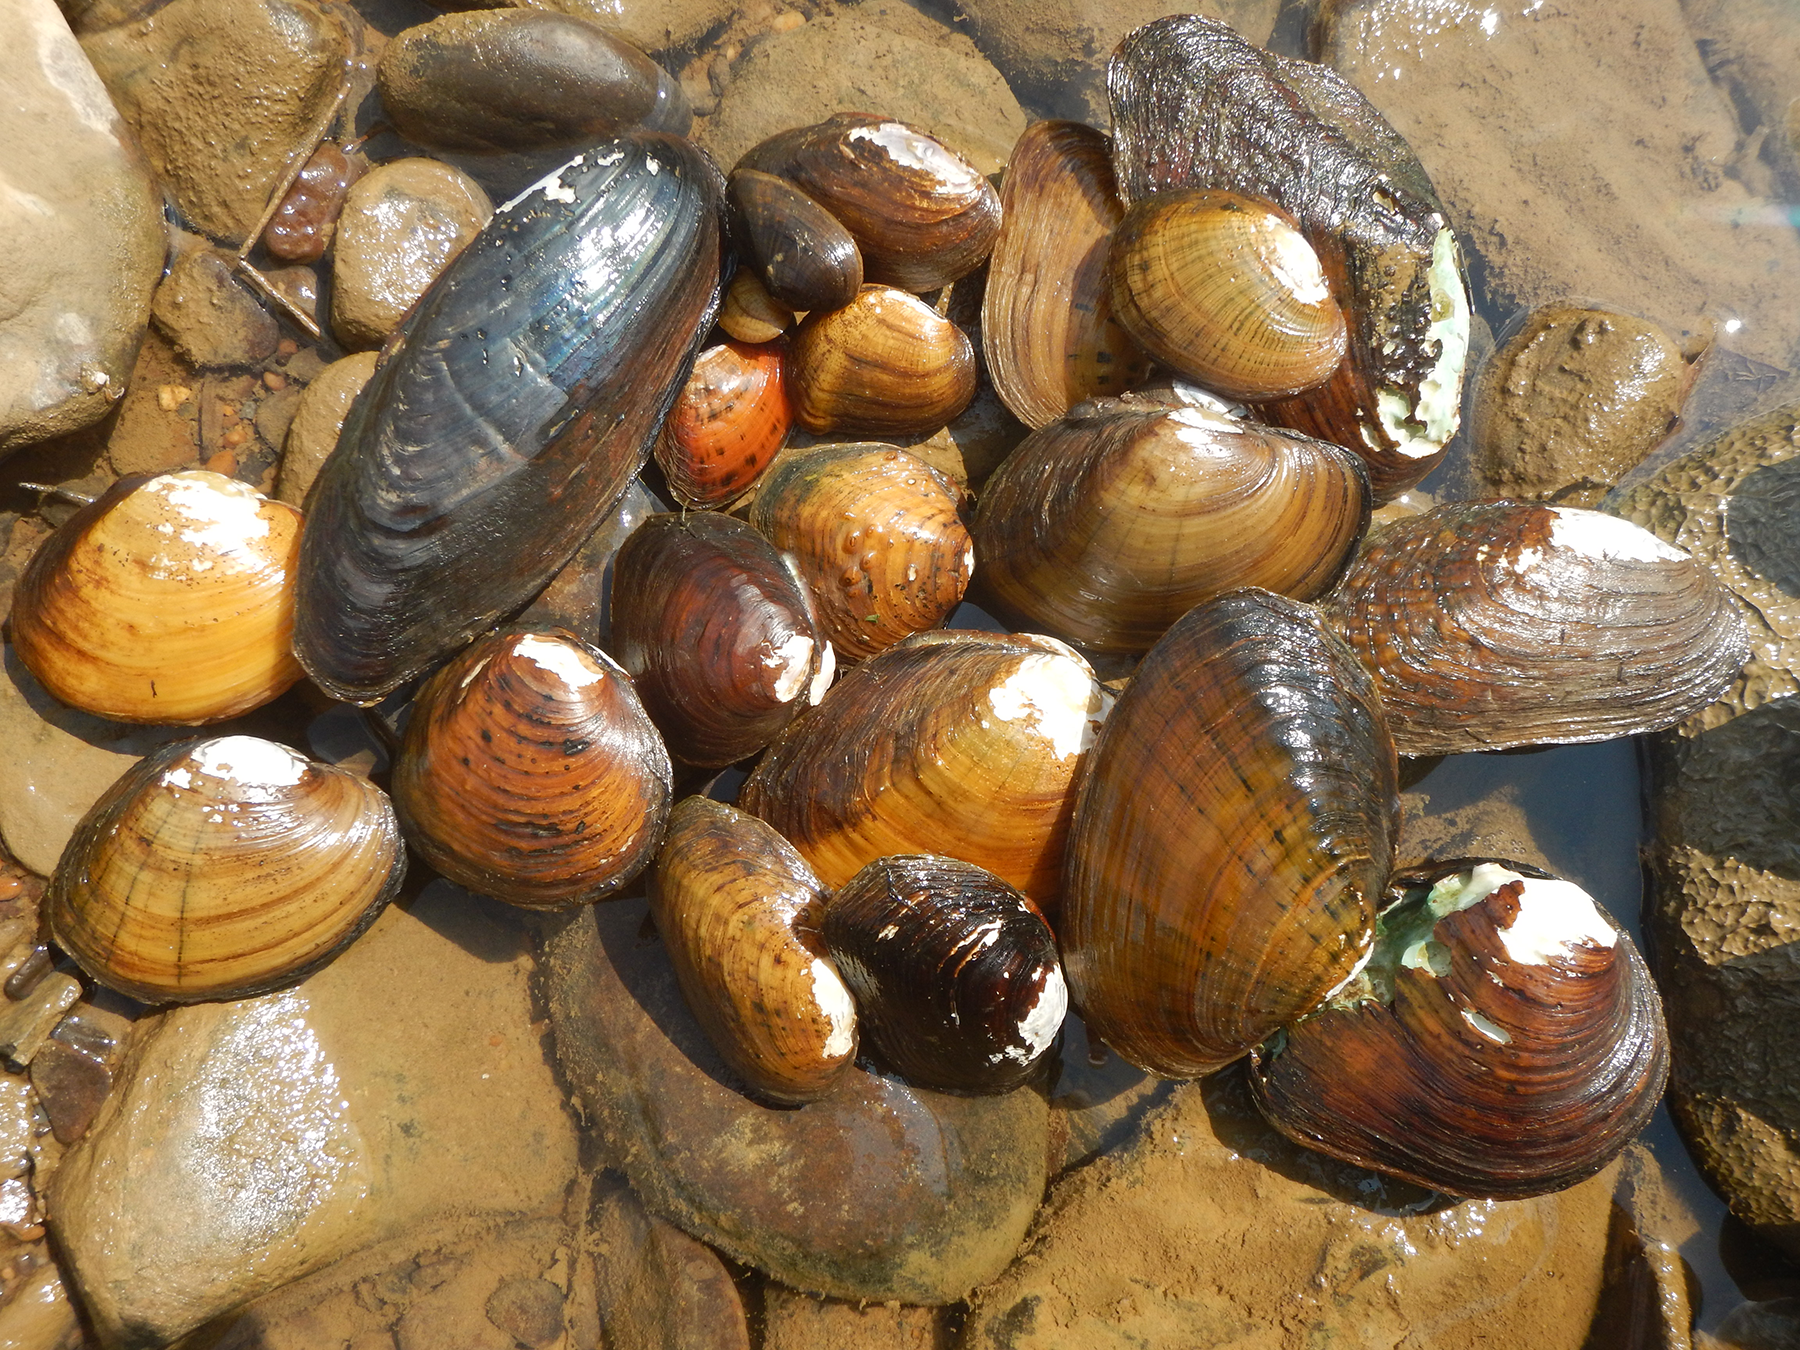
{"x": 731, "y": 417}
{"x": 886, "y": 364}
{"x": 804, "y": 255}
{"x": 1505, "y": 1039}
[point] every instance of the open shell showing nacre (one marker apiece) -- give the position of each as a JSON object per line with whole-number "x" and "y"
{"x": 1497, "y": 624}
{"x": 1234, "y": 832}
{"x": 1505, "y": 1040}
{"x": 222, "y": 868}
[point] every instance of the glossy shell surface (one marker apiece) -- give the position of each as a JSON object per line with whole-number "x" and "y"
{"x": 1233, "y": 835}
{"x": 803, "y": 253}
{"x": 524, "y": 391}
{"x": 733, "y": 414}
{"x": 170, "y": 599}
{"x": 530, "y": 772}
{"x": 886, "y": 364}
{"x": 1489, "y": 625}
{"x": 222, "y": 868}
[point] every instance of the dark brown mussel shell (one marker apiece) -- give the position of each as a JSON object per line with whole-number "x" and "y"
{"x": 530, "y": 772}
{"x": 1505, "y": 1040}
{"x": 955, "y": 973}
{"x": 921, "y": 213}
{"x": 886, "y": 364}
{"x": 1195, "y": 106}
{"x": 876, "y": 534}
{"x": 732, "y": 416}
{"x": 739, "y": 913}
{"x": 960, "y": 743}
{"x": 1106, "y": 527}
{"x": 1497, "y": 624}
{"x": 1047, "y": 328}
{"x": 1234, "y": 831}
{"x": 517, "y": 400}
{"x": 717, "y": 632}
{"x": 806, "y": 258}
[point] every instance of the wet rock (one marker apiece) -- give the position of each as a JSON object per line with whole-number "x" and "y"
{"x": 73, "y": 1075}
{"x": 157, "y": 428}
{"x": 399, "y": 1088}
{"x": 83, "y": 229}
{"x": 211, "y": 318}
{"x": 402, "y": 224}
{"x": 1211, "y": 1229}
{"x": 40, "y": 1314}
{"x": 58, "y": 762}
{"x": 794, "y": 1321}
{"x": 1054, "y": 55}
{"x": 653, "y": 25}
{"x": 318, "y": 419}
{"x": 1572, "y": 401}
{"x": 1645, "y": 1302}
{"x": 1581, "y": 151}
{"x": 658, "y": 1288}
{"x": 929, "y": 1194}
{"x": 867, "y": 59}
{"x": 223, "y": 95}
{"x": 1772, "y": 1325}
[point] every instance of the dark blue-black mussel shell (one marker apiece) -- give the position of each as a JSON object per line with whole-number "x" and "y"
{"x": 510, "y": 411}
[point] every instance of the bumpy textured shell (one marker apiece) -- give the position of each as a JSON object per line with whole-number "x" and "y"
{"x": 876, "y": 534}
{"x": 1514, "y": 623}
{"x": 1106, "y": 527}
{"x": 732, "y": 416}
{"x": 717, "y": 633}
{"x": 1046, "y": 317}
{"x": 1485, "y": 1061}
{"x": 1233, "y": 835}
{"x": 524, "y": 392}
{"x": 739, "y": 912}
{"x": 170, "y": 599}
{"x": 886, "y": 364}
{"x": 804, "y": 255}
{"x": 1195, "y": 106}
{"x": 222, "y": 868}
{"x": 531, "y": 773}
{"x": 921, "y": 213}
{"x": 955, "y": 973}
{"x": 959, "y": 743}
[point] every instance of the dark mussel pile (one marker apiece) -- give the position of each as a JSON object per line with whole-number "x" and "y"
{"x": 1226, "y": 363}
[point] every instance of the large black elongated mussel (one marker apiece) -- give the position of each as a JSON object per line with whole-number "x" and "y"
{"x": 522, "y": 394}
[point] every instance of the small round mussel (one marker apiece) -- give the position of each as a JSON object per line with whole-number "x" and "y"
{"x": 955, "y": 973}
{"x": 1505, "y": 1039}
{"x": 222, "y": 868}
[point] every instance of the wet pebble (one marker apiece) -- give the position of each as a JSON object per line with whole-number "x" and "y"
{"x": 659, "y": 1288}
{"x": 318, "y": 418}
{"x": 213, "y": 319}
{"x": 652, "y": 25}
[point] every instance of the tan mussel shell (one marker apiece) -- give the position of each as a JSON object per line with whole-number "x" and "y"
{"x": 1108, "y": 526}
{"x": 168, "y": 600}
{"x": 222, "y": 868}
{"x": 531, "y": 772}
{"x": 1226, "y": 290}
{"x": 739, "y": 912}
{"x": 886, "y": 364}
{"x": 959, "y": 743}
{"x": 1047, "y": 327}
{"x": 876, "y": 534}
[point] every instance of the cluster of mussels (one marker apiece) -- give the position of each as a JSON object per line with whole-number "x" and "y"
{"x": 927, "y": 847}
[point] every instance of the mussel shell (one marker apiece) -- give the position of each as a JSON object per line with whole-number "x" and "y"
{"x": 1497, "y": 624}
{"x": 1195, "y": 106}
{"x": 959, "y": 743}
{"x": 921, "y": 213}
{"x": 530, "y": 772}
{"x": 717, "y": 632}
{"x": 876, "y": 534}
{"x": 954, "y": 972}
{"x": 1225, "y": 290}
{"x": 732, "y": 416}
{"x": 806, "y": 258}
{"x": 222, "y": 868}
{"x": 524, "y": 390}
{"x": 1106, "y": 527}
{"x": 1507, "y": 1049}
{"x": 1234, "y": 831}
{"x": 749, "y": 313}
{"x": 886, "y": 364}
{"x": 1047, "y": 328}
{"x": 170, "y": 599}
{"x": 739, "y": 913}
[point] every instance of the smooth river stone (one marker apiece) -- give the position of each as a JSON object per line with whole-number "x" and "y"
{"x": 251, "y": 1143}
{"x": 83, "y": 229}
{"x": 1211, "y": 1229}
{"x": 313, "y": 434}
{"x": 882, "y": 1191}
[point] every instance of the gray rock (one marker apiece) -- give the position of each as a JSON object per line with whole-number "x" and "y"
{"x": 83, "y": 226}
{"x": 402, "y": 224}
{"x": 881, "y": 1191}
{"x": 313, "y": 434}
{"x": 223, "y": 94}
{"x": 212, "y": 319}
{"x": 654, "y": 25}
